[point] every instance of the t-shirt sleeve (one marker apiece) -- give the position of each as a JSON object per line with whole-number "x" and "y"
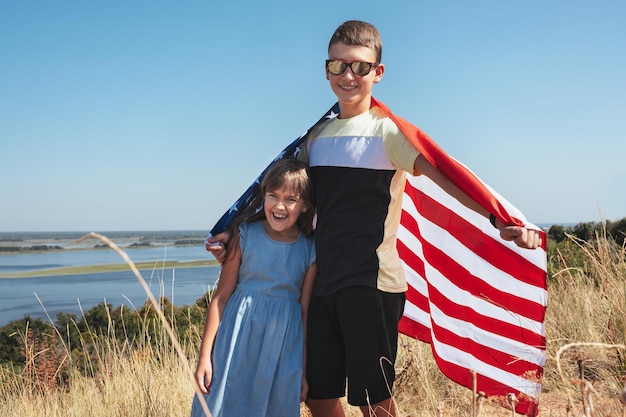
{"x": 400, "y": 151}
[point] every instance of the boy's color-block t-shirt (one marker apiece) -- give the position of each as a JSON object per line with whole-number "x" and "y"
{"x": 358, "y": 167}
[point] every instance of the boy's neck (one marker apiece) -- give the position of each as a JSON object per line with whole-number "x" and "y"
{"x": 348, "y": 110}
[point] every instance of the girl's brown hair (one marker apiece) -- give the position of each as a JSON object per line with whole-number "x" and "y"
{"x": 284, "y": 172}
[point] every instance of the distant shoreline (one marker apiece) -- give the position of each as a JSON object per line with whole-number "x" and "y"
{"x": 96, "y": 269}
{"x": 65, "y": 241}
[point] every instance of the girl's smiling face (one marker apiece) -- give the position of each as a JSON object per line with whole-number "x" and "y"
{"x": 282, "y": 209}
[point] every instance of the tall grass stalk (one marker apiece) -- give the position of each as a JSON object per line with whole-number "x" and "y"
{"x": 157, "y": 308}
{"x": 140, "y": 381}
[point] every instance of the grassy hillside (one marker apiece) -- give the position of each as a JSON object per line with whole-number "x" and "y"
{"x": 113, "y": 362}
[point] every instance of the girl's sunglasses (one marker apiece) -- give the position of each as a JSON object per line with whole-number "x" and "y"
{"x": 358, "y": 68}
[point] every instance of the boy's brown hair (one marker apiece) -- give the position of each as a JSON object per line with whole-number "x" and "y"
{"x": 357, "y": 32}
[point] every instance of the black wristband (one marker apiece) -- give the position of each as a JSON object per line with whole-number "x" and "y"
{"x": 492, "y": 220}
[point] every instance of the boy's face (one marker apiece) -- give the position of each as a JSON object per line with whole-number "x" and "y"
{"x": 353, "y": 92}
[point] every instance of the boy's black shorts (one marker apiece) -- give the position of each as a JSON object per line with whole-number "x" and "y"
{"x": 353, "y": 333}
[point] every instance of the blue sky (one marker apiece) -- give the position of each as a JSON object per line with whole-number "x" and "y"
{"x": 137, "y": 115}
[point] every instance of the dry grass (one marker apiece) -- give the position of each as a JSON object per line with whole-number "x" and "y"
{"x": 146, "y": 383}
{"x": 584, "y": 373}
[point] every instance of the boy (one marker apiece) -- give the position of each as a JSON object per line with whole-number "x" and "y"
{"x": 358, "y": 163}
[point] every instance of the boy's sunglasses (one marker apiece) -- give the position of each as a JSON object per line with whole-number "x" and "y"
{"x": 358, "y": 68}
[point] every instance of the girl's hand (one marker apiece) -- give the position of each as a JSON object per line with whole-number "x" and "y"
{"x": 204, "y": 375}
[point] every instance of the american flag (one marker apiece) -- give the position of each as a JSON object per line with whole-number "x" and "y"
{"x": 478, "y": 300}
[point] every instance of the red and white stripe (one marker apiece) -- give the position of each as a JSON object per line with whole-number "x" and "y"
{"x": 478, "y": 300}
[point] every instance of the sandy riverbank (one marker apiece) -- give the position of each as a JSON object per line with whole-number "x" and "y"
{"x": 94, "y": 269}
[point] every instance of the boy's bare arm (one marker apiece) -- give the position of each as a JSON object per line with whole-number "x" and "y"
{"x": 522, "y": 236}
{"x": 217, "y": 245}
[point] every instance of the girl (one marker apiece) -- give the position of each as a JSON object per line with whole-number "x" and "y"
{"x": 251, "y": 358}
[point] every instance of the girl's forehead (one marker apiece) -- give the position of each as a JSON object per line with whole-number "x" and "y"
{"x": 286, "y": 188}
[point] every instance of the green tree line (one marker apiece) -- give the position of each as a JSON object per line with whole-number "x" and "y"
{"x": 103, "y": 322}
{"x": 34, "y": 248}
{"x": 588, "y": 231}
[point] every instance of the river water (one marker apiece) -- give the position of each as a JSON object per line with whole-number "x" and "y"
{"x": 49, "y": 295}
